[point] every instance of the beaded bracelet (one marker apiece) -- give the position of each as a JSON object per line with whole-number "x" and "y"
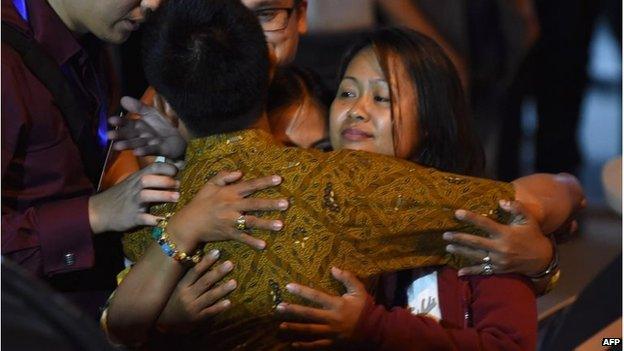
{"x": 159, "y": 233}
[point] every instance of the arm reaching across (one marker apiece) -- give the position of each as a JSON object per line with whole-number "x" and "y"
{"x": 156, "y": 277}
{"x": 521, "y": 246}
{"x": 354, "y": 320}
{"x": 551, "y": 199}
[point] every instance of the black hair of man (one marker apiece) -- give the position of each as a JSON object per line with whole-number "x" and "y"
{"x": 209, "y": 60}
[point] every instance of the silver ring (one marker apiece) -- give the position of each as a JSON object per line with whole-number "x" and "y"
{"x": 240, "y": 223}
{"x": 487, "y": 258}
{"x": 487, "y": 269}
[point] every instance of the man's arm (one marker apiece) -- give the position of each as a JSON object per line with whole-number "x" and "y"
{"x": 53, "y": 233}
{"x": 53, "y": 237}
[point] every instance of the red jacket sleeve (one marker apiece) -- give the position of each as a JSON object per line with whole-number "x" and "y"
{"x": 503, "y": 310}
{"x": 53, "y": 236}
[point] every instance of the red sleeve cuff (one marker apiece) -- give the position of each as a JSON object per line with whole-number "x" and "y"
{"x": 366, "y": 329}
{"x": 65, "y": 236}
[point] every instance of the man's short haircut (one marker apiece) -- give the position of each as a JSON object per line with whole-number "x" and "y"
{"x": 209, "y": 59}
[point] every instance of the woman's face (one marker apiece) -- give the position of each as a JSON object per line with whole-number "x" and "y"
{"x": 361, "y": 113}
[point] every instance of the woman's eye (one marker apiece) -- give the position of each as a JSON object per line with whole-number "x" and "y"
{"x": 346, "y": 94}
{"x": 382, "y": 99}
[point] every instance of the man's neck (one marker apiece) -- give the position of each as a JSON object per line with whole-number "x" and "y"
{"x": 261, "y": 123}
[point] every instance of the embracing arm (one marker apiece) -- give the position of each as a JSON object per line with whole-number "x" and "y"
{"x": 503, "y": 311}
{"x": 148, "y": 288}
{"x": 551, "y": 199}
{"x": 145, "y": 292}
{"x": 545, "y": 203}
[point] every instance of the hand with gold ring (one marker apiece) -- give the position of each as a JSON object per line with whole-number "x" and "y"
{"x": 241, "y": 223}
{"x": 519, "y": 247}
{"x": 216, "y": 212}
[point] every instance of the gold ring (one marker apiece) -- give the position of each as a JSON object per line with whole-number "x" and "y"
{"x": 240, "y": 223}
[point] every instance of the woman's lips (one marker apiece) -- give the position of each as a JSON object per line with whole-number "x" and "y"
{"x": 352, "y": 134}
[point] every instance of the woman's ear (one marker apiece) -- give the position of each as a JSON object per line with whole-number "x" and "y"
{"x": 302, "y": 17}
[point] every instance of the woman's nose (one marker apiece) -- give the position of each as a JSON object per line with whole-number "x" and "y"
{"x": 358, "y": 115}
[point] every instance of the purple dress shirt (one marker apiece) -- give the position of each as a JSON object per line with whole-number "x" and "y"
{"x": 45, "y": 192}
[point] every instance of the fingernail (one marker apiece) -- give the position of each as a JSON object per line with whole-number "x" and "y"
{"x": 505, "y": 204}
{"x": 336, "y": 270}
{"x": 291, "y": 287}
{"x": 227, "y": 266}
{"x": 177, "y": 184}
{"x": 261, "y": 245}
{"x": 460, "y": 214}
{"x": 282, "y": 204}
{"x": 276, "y": 179}
{"x": 277, "y": 225}
{"x": 226, "y": 303}
{"x": 231, "y": 284}
{"x": 450, "y": 248}
{"x": 214, "y": 254}
{"x": 447, "y": 236}
{"x": 175, "y": 196}
{"x": 461, "y": 273}
{"x": 281, "y": 307}
{"x": 282, "y": 325}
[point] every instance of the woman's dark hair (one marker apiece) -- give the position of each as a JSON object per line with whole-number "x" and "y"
{"x": 445, "y": 136}
{"x": 292, "y": 84}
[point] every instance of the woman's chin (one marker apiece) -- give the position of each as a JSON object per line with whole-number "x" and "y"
{"x": 359, "y": 146}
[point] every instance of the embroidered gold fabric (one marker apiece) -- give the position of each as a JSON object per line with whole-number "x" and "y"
{"x": 358, "y": 211}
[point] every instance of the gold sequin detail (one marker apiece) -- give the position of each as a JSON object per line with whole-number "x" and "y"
{"x": 329, "y": 198}
{"x": 233, "y": 139}
{"x": 455, "y": 180}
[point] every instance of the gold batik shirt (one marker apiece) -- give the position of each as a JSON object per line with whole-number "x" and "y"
{"x": 361, "y": 212}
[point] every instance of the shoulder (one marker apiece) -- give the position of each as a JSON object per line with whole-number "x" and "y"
{"x": 11, "y": 61}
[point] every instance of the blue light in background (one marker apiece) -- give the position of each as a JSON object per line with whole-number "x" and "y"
{"x": 20, "y": 6}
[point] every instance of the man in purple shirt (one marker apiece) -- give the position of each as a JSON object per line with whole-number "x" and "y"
{"x": 52, "y": 220}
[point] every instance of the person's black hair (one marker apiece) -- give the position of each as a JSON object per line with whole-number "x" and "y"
{"x": 209, "y": 60}
{"x": 292, "y": 84}
{"x": 446, "y": 136}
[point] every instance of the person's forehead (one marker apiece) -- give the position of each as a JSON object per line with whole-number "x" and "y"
{"x": 256, "y": 4}
{"x": 365, "y": 64}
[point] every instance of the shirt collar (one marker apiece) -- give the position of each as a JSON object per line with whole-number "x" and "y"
{"x": 46, "y": 27}
{"x": 227, "y": 143}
